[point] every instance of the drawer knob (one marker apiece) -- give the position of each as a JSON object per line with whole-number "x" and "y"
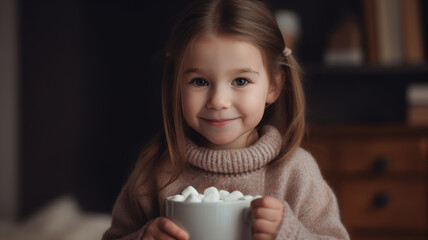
{"x": 381, "y": 199}
{"x": 380, "y": 165}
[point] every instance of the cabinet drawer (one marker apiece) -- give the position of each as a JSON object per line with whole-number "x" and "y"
{"x": 392, "y": 155}
{"x": 384, "y": 204}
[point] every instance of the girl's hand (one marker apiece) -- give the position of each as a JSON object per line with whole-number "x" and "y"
{"x": 268, "y": 214}
{"x": 164, "y": 229}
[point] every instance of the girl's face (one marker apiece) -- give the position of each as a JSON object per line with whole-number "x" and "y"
{"x": 225, "y": 90}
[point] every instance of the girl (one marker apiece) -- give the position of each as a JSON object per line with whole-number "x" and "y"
{"x": 233, "y": 113}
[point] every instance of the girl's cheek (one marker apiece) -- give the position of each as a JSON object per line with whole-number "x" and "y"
{"x": 253, "y": 110}
{"x": 255, "y": 102}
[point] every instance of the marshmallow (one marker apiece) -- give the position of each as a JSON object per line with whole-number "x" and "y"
{"x": 211, "y": 197}
{"x": 246, "y": 197}
{"x": 201, "y": 196}
{"x": 235, "y": 195}
{"x": 211, "y": 194}
{"x": 193, "y": 198}
{"x": 212, "y": 191}
{"x": 189, "y": 190}
{"x": 177, "y": 198}
{"x": 223, "y": 194}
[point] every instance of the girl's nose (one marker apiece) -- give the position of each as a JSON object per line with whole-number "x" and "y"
{"x": 219, "y": 99}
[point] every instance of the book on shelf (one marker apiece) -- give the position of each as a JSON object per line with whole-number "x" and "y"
{"x": 370, "y": 26}
{"x": 388, "y": 32}
{"x": 394, "y": 33}
{"x": 414, "y": 48}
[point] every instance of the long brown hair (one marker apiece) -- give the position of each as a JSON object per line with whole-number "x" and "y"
{"x": 252, "y": 21}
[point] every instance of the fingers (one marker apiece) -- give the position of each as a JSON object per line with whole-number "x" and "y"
{"x": 268, "y": 213}
{"x": 172, "y": 229}
{"x": 267, "y": 202}
{"x": 267, "y": 208}
{"x": 262, "y": 236}
{"x": 160, "y": 236}
{"x": 264, "y": 226}
{"x": 164, "y": 229}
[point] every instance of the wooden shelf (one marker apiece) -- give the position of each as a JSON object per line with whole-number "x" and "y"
{"x": 320, "y": 69}
{"x": 366, "y": 130}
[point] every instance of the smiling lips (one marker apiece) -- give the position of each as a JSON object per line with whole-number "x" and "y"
{"x": 218, "y": 122}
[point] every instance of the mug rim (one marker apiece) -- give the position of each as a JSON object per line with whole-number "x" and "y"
{"x": 233, "y": 202}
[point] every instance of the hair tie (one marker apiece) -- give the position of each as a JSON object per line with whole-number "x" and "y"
{"x": 287, "y": 52}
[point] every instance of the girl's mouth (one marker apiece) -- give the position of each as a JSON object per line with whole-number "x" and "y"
{"x": 218, "y": 122}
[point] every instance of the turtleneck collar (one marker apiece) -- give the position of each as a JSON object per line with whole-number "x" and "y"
{"x": 241, "y": 160}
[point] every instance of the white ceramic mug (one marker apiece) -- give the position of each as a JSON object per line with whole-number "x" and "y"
{"x": 212, "y": 220}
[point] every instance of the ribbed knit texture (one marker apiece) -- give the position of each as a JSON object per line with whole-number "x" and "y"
{"x": 242, "y": 160}
{"x": 311, "y": 210}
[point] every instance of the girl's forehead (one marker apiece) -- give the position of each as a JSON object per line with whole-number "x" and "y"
{"x": 225, "y": 48}
{"x": 220, "y": 40}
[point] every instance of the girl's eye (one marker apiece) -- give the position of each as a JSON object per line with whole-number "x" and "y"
{"x": 240, "y": 82}
{"x": 199, "y": 82}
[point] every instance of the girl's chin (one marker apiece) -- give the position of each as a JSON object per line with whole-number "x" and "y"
{"x": 229, "y": 140}
{"x": 223, "y": 144}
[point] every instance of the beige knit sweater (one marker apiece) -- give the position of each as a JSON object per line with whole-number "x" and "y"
{"x": 311, "y": 210}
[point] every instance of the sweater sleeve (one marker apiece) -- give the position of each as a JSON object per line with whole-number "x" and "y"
{"x": 311, "y": 209}
{"x": 128, "y": 220}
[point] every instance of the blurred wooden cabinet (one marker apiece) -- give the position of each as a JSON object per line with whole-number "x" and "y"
{"x": 379, "y": 175}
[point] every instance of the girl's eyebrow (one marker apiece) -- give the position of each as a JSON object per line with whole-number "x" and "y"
{"x": 233, "y": 71}
{"x": 244, "y": 70}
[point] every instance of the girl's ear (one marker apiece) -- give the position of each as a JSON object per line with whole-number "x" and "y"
{"x": 275, "y": 87}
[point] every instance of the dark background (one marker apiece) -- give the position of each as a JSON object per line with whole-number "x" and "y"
{"x": 90, "y": 90}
